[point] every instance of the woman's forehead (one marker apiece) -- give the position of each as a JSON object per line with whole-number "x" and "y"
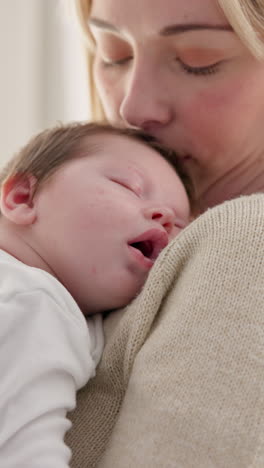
{"x": 138, "y": 15}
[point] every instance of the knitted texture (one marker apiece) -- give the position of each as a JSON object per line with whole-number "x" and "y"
{"x": 181, "y": 381}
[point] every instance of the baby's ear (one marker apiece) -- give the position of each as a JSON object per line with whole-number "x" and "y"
{"x": 16, "y": 201}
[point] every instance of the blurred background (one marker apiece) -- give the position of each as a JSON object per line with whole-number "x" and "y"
{"x": 43, "y": 74}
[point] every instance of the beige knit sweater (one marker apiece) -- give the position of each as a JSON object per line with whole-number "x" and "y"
{"x": 181, "y": 381}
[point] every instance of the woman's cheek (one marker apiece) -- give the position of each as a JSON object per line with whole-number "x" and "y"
{"x": 211, "y": 110}
{"x": 110, "y": 94}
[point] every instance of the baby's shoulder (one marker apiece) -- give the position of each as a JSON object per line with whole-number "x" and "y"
{"x": 18, "y": 279}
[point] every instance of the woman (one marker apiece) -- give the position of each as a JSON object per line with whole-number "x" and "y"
{"x": 181, "y": 380}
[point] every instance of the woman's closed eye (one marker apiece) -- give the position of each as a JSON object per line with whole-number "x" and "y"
{"x": 113, "y": 52}
{"x": 108, "y": 62}
{"x": 200, "y": 70}
{"x": 204, "y": 70}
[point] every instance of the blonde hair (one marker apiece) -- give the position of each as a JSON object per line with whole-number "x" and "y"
{"x": 247, "y": 19}
{"x": 245, "y": 16}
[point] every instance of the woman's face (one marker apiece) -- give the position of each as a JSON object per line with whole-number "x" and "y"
{"x": 176, "y": 69}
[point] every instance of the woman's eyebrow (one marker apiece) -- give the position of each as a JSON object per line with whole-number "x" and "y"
{"x": 98, "y": 23}
{"x": 167, "y": 30}
{"x": 187, "y": 27}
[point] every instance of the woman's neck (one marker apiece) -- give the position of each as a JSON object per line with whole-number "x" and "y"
{"x": 245, "y": 179}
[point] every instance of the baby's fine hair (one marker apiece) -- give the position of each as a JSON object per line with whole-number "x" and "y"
{"x": 46, "y": 152}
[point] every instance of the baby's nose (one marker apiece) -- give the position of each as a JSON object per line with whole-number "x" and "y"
{"x": 164, "y": 216}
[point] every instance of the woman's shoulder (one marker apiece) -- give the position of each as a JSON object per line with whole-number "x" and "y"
{"x": 241, "y": 216}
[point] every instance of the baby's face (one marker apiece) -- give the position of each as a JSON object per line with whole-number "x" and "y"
{"x": 104, "y": 218}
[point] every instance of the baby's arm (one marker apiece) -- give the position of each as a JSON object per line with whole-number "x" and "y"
{"x": 46, "y": 355}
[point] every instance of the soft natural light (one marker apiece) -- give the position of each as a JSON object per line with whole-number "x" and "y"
{"x": 43, "y": 74}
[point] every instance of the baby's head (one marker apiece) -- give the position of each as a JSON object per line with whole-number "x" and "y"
{"x": 93, "y": 206}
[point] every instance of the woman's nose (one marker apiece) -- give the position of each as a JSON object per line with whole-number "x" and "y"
{"x": 144, "y": 104}
{"x": 163, "y": 215}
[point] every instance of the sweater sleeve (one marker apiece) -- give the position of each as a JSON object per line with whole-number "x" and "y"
{"x": 46, "y": 355}
{"x": 181, "y": 379}
{"x": 195, "y": 388}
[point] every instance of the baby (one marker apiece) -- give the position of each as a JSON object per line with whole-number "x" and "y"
{"x": 85, "y": 211}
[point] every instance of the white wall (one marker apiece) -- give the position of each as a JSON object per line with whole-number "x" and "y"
{"x": 42, "y": 74}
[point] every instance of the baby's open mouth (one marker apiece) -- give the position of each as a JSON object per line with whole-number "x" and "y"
{"x": 150, "y": 243}
{"x": 146, "y": 247}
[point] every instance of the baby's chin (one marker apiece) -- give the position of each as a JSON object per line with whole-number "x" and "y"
{"x": 102, "y": 308}
{"x": 113, "y": 298}
{"x": 125, "y": 300}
